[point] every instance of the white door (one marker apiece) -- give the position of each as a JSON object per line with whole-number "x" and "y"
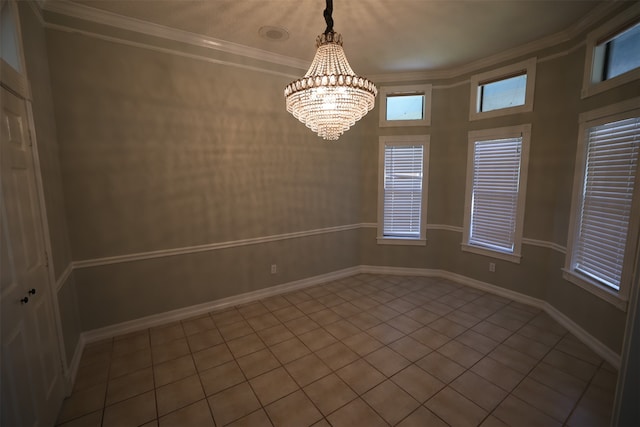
{"x": 31, "y": 387}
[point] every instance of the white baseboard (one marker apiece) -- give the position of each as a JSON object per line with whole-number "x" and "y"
{"x": 183, "y": 313}
{"x": 196, "y": 310}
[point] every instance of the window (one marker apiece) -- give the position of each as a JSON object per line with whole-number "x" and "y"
{"x": 496, "y": 187}
{"x": 613, "y": 53}
{"x": 507, "y": 90}
{"x": 606, "y": 183}
{"x": 402, "y": 184}
{"x": 405, "y": 105}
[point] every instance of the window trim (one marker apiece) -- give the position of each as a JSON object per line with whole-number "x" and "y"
{"x": 529, "y": 68}
{"x": 614, "y": 26}
{"x": 611, "y": 113}
{"x": 488, "y": 134}
{"x": 384, "y": 141}
{"x": 424, "y": 89}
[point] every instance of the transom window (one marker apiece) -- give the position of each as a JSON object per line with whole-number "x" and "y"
{"x": 402, "y": 189}
{"x": 496, "y": 182}
{"x": 619, "y": 54}
{"x": 405, "y": 105}
{"x": 507, "y": 90}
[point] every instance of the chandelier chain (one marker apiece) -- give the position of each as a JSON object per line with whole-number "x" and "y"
{"x": 328, "y": 18}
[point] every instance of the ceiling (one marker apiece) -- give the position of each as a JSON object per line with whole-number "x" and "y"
{"x": 380, "y": 36}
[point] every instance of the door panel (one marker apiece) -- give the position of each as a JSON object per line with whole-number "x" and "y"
{"x": 32, "y": 388}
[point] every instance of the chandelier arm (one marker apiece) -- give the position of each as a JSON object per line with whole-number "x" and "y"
{"x": 328, "y": 18}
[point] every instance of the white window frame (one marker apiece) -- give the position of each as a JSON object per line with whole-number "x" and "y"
{"x": 491, "y": 134}
{"x": 386, "y": 91}
{"x": 592, "y": 84}
{"x": 587, "y": 120}
{"x": 405, "y": 140}
{"x": 529, "y": 68}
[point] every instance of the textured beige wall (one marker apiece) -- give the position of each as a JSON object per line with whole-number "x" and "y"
{"x": 36, "y": 59}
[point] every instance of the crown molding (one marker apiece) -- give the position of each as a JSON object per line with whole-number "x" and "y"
{"x": 90, "y": 14}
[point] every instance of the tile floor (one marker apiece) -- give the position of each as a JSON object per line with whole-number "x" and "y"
{"x": 368, "y": 350}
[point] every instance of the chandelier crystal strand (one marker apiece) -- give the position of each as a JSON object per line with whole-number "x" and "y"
{"x": 330, "y": 97}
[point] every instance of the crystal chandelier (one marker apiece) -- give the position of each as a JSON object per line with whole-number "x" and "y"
{"x": 330, "y": 98}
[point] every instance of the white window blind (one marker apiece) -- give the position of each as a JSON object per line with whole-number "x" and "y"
{"x": 494, "y": 198}
{"x": 611, "y": 167}
{"x": 403, "y": 166}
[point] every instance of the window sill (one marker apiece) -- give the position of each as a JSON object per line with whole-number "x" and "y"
{"x": 515, "y": 258}
{"x": 591, "y": 89}
{"x": 401, "y": 241}
{"x": 595, "y": 288}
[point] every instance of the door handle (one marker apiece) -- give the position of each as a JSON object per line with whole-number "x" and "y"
{"x": 32, "y": 291}
{"x": 24, "y": 300}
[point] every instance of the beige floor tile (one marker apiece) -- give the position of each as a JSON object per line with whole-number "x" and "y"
{"x": 171, "y": 350}
{"x": 263, "y": 321}
{"x": 197, "y": 414}
{"x": 558, "y": 380}
{"x": 275, "y": 302}
{"x": 310, "y": 306}
{"x": 92, "y": 374}
{"x": 543, "y": 336}
{"x": 83, "y": 402}
{"x": 492, "y": 421}
{"x": 422, "y": 417}
{"x": 493, "y": 331}
{"x": 497, "y": 373}
{"x": 252, "y": 309}
{"x": 390, "y": 401}
{"x": 166, "y": 333}
{"x": 387, "y": 361}
{"x": 418, "y": 383}
{"x": 307, "y": 369}
{"x": 404, "y": 324}
{"x": 232, "y": 331}
{"x": 129, "y": 385}
{"x": 605, "y": 379}
{"x": 130, "y": 343}
{"x": 480, "y": 391}
{"x": 342, "y": 329}
{"x": 447, "y": 327}
{"x": 468, "y": 320}
{"x": 205, "y": 339}
{"x": 410, "y": 348}
{"x": 364, "y": 320}
{"x": 356, "y": 413}
{"x": 441, "y": 367}
{"x": 179, "y": 394}
{"x": 258, "y": 418}
{"x": 257, "y": 363}
{"x": 245, "y": 345}
{"x": 324, "y": 317}
{"x": 233, "y": 403}
{"x": 455, "y": 409}
{"x": 221, "y": 377}
{"x": 131, "y": 412}
{"x": 293, "y": 410}
{"x": 480, "y": 343}
{"x": 571, "y": 345}
{"x": 421, "y": 315}
{"x": 514, "y": 412}
{"x": 317, "y": 339}
{"x": 301, "y": 325}
{"x": 545, "y": 399}
{"x": 329, "y": 393}
{"x": 513, "y": 359}
{"x": 385, "y": 334}
{"x": 289, "y": 350}
{"x": 460, "y": 353}
{"x": 336, "y": 355}
{"x": 360, "y": 376}
{"x": 296, "y": 297}
{"x": 226, "y": 316}
{"x": 173, "y": 370}
{"x": 212, "y": 356}
{"x": 275, "y": 335}
{"x": 362, "y": 343}
{"x": 594, "y": 409}
{"x": 570, "y": 364}
{"x": 430, "y": 337}
{"x": 130, "y": 363}
{"x": 528, "y": 346}
{"x": 383, "y": 312}
{"x": 93, "y": 419}
{"x": 273, "y": 385}
{"x": 198, "y": 324}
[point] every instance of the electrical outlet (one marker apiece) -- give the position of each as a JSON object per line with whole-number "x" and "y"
{"x": 492, "y": 267}
{"x": 274, "y": 268}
